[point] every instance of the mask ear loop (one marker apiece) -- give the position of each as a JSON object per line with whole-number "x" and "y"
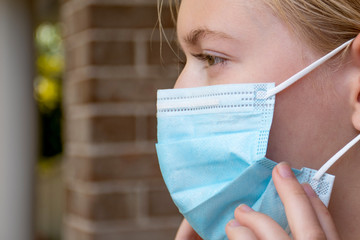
{"x": 336, "y": 157}
{"x": 305, "y": 71}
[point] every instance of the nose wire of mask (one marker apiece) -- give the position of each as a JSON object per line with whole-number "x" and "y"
{"x": 306, "y": 70}
{"x": 336, "y": 157}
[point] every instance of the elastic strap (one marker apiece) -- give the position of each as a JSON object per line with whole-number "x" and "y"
{"x": 336, "y": 157}
{"x": 305, "y": 71}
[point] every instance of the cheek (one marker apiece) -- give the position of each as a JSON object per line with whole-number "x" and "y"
{"x": 275, "y": 68}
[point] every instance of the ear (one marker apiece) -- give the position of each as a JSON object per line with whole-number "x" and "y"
{"x": 356, "y": 101}
{"x": 355, "y": 50}
{"x": 355, "y": 88}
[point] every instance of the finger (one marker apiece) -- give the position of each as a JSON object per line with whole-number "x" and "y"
{"x": 260, "y": 224}
{"x": 322, "y": 213}
{"x": 186, "y": 232}
{"x": 235, "y": 231}
{"x": 301, "y": 216}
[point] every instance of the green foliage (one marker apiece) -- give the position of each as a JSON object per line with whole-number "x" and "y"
{"x": 47, "y": 88}
{"x": 50, "y": 64}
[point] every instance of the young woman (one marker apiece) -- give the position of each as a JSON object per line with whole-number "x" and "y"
{"x": 269, "y": 41}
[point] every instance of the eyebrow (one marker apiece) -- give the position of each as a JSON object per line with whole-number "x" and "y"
{"x": 196, "y": 35}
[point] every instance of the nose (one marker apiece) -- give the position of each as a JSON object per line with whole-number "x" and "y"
{"x": 191, "y": 76}
{"x": 181, "y": 82}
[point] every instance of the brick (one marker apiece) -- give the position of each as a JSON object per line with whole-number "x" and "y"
{"x": 100, "y": 53}
{"x": 164, "y": 54}
{"x": 161, "y": 204}
{"x": 71, "y": 233}
{"x": 120, "y": 90}
{"x": 134, "y": 167}
{"x": 107, "y": 16}
{"x": 101, "y": 207}
{"x": 141, "y": 235}
{"x": 152, "y": 127}
{"x": 78, "y": 130}
{"x": 117, "y": 90}
{"x": 77, "y": 234}
{"x": 128, "y": 167}
{"x": 77, "y": 57}
{"x": 126, "y": 17}
{"x": 76, "y": 22}
{"x": 77, "y": 168}
{"x": 101, "y": 129}
{"x": 111, "y": 53}
{"x": 77, "y": 92}
{"x": 113, "y": 129}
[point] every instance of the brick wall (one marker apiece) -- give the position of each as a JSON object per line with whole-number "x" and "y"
{"x": 114, "y": 188}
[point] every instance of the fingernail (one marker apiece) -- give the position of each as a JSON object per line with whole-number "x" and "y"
{"x": 285, "y": 170}
{"x": 309, "y": 191}
{"x": 233, "y": 223}
{"x": 245, "y": 208}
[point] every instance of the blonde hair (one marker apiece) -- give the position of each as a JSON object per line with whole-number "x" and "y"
{"x": 323, "y": 24}
{"x": 174, "y": 6}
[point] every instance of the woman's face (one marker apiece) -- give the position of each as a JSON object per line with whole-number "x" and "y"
{"x": 242, "y": 41}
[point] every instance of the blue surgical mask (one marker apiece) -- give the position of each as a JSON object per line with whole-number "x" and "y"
{"x": 212, "y": 143}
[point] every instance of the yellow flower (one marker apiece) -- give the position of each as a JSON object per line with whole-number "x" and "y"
{"x": 47, "y": 92}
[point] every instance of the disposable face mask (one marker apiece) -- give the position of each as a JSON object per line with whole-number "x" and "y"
{"x": 212, "y": 143}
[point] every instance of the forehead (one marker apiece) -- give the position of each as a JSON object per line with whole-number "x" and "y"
{"x": 234, "y": 17}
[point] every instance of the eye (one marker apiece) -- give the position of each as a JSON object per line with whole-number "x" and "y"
{"x": 210, "y": 60}
{"x": 213, "y": 60}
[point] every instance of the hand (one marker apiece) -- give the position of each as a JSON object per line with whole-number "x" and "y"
{"x": 308, "y": 217}
{"x": 186, "y": 232}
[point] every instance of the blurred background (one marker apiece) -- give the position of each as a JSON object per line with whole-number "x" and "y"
{"x": 78, "y": 81}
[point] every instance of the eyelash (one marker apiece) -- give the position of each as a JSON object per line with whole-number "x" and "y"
{"x": 206, "y": 58}
{"x": 210, "y": 60}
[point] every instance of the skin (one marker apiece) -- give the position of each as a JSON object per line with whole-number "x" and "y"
{"x": 313, "y": 119}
